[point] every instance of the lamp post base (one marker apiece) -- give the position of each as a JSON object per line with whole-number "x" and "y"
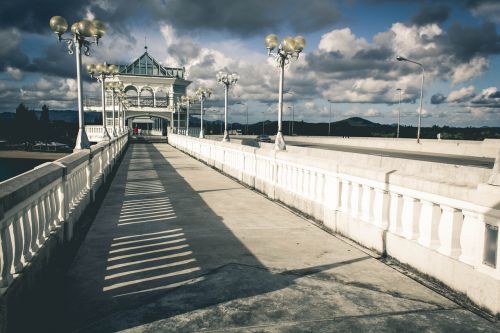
{"x": 202, "y": 134}
{"x": 82, "y": 141}
{"x": 226, "y": 137}
{"x": 279, "y": 143}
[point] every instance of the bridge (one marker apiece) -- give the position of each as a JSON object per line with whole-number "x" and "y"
{"x": 202, "y": 235}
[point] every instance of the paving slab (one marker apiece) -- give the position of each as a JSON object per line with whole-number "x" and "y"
{"x": 178, "y": 247}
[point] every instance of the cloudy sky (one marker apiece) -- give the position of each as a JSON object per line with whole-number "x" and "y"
{"x": 349, "y": 58}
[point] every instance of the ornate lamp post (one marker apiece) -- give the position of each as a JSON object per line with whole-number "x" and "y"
{"x": 93, "y": 30}
{"x": 289, "y": 49}
{"x": 115, "y": 87}
{"x": 227, "y": 80}
{"x": 124, "y": 104}
{"x": 399, "y": 58}
{"x": 187, "y": 100}
{"x": 101, "y": 72}
{"x": 202, "y": 93}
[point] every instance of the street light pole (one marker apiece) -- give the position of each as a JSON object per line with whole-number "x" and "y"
{"x": 202, "y": 93}
{"x": 330, "y": 117}
{"x": 289, "y": 49}
{"x": 399, "y": 112}
{"x": 399, "y": 58}
{"x": 80, "y": 32}
{"x": 101, "y": 72}
{"x": 186, "y": 100}
{"x": 227, "y": 80}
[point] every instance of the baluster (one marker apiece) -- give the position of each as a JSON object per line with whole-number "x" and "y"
{"x": 429, "y": 224}
{"x": 16, "y": 234}
{"x": 27, "y": 235}
{"x": 346, "y": 195}
{"x": 355, "y": 199}
{"x": 46, "y": 216}
{"x": 381, "y": 208}
{"x": 469, "y": 236}
{"x": 449, "y": 230}
{"x": 395, "y": 210}
{"x": 7, "y": 254}
{"x": 39, "y": 220}
{"x": 410, "y": 217}
{"x": 367, "y": 203}
{"x": 34, "y": 229}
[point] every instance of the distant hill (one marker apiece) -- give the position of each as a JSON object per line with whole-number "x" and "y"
{"x": 356, "y": 122}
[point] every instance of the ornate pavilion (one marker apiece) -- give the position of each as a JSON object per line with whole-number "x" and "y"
{"x": 153, "y": 93}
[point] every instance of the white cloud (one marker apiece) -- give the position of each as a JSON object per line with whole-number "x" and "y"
{"x": 464, "y": 72}
{"x": 462, "y": 95}
{"x": 372, "y": 112}
{"x": 15, "y": 73}
{"x": 343, "y": 41}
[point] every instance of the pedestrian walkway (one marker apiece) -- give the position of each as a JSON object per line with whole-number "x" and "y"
{"x": 178, "y": 247}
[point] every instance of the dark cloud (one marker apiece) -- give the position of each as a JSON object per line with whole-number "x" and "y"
{"x": 245, "y": 17}
{"x": 467, "y": 42}
{"x": 438, "y": 98}
{"x": 496, "y": 94}
{"x": 34, "y": 16}
{"x": 431, "y": 14}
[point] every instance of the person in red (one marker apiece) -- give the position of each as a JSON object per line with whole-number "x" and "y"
{"x": 136, "y": 130}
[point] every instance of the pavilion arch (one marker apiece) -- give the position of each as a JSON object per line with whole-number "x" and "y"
{"x": 161, "y": 97}
{"x": 149, "y": 123}
{"x": 132, "y": 95}
{"x": 146, "y": 97}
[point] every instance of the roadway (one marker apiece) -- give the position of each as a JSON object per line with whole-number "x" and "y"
{"x": 473, "y": 161}
{"x": 178, "y": 247}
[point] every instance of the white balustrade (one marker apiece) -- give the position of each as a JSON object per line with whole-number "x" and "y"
{"x": 37, "y": 204}
{"x": 443, "y": 225}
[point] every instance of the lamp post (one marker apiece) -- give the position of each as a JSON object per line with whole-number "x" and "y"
{"x": 288, "y": 50}
{"x": 227, "y": 80}
{"x": 203, "y": 94}
{"x": 399, "y": 58}
{"x": 187, "y": 100}
{"x": 101, "y": 72}
{"x": 93, "y": 30}
{"x": 399, "y": 112}
{"x": 124, "y": 104}
{"x": 115, "y": 87}
{"x": 330, "y": 117}
{"x": 246, "y": 110}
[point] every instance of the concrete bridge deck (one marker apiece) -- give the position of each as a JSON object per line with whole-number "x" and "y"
{"x": 179, "y": 247}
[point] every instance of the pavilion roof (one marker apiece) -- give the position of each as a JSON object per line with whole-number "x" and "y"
{"x": 148, "y": 66}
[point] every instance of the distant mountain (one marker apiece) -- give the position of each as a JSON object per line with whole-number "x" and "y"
{"x": 357, "y": 122}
